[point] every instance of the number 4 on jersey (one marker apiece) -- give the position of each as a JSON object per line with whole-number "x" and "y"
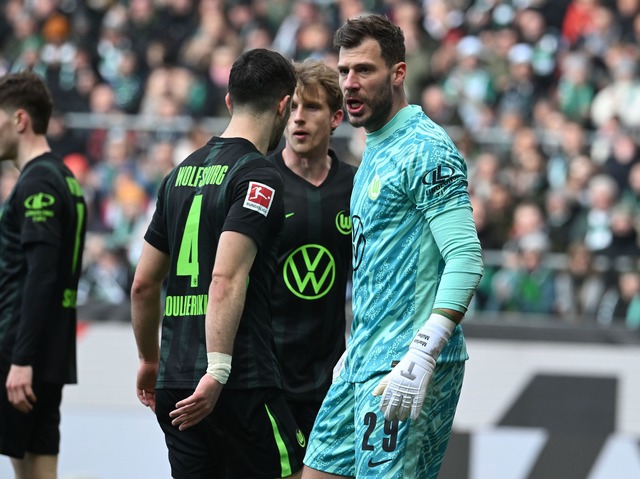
{"x": 188, "y": 255}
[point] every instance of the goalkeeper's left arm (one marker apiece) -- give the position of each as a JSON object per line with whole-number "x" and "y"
{"x": 404, "y": 389}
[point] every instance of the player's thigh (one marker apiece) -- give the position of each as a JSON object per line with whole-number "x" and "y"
{"x": 260, "y": 435}
{"x": 331, "y": 447}
{"x": 192, "y": 453}
{"x": 406, "y": 449}
{"x": 37, "y": 432}
{"x": 439, "y": 413}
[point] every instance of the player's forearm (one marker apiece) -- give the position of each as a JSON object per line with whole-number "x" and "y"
{"x": 455, "y": 234}
{"x": 224, "y": 310}
{"x": 38, "y": 296}
{"x": 146, "y": 314}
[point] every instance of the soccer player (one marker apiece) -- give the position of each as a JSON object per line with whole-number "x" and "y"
{"x": 314, "y": 258}
{"x": 42, "y": 230}
{"x": 214, "y": 381}
{"x": 417, "y": 262}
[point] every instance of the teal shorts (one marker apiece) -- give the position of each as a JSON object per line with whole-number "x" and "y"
{"x": 350, "y": 436}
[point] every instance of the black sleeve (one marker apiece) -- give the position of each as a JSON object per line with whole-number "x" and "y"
{"x": 39, "y": 288}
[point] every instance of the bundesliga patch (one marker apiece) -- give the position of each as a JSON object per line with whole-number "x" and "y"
{"x": 259, "y": 197}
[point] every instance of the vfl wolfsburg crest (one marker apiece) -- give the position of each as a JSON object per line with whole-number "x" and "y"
{"x": 343, "y": 223}
{"x": 375, "y": 187}
{"x": 310, "y": 271}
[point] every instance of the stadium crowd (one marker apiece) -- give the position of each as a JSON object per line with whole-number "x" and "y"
{"x": 541, "y": 97}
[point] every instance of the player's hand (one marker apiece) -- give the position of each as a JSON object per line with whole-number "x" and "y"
{"x": 337, "y": 369}
{"x": 195, "y": 408}
{"x": 146, "y": 383}
{"x": 403, "y": 390}
{"x": 19, "y": 388}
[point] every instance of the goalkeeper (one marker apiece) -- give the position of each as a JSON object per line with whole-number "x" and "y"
{"x": 417, "y": 263}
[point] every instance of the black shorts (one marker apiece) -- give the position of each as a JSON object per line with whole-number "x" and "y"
{"x": 37, "y": 432}
{"x": 304, "y": 412}
{"x": 250, "y": 434}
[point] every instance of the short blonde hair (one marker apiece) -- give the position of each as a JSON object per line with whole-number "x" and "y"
{"x": 314, "y": 74}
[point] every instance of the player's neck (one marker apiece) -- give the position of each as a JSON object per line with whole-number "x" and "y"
{"x": 31, "y": 148}
{"x": 251, "y": 128}
{"x": 313, "y": 168}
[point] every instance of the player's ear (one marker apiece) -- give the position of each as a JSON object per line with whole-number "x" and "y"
{"x": 336, "y": 119}
{"x": 399, "y": 73}
{"x": 21, "y": 119}
{"x": 284, "y": 105}
{"x": 227, "y": 101}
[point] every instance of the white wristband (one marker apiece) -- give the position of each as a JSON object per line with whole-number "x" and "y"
{"x": 219, "y": 366}
{"x": 433, "y": 335}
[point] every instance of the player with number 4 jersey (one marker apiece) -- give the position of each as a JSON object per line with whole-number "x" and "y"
{"x": 214, "y": 380}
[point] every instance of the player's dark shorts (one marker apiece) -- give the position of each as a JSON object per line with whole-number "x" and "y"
{"x": 304, "y": 412}
{"x": 37, "y": 432}
{"x": 250, "y": 434}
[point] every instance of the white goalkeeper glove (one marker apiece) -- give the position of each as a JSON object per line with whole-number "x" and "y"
{"x": 404, "y": 389}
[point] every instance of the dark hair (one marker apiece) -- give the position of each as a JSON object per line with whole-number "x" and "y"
{"x": 259, "y": 79}
{"x": 378, "y": 27}
{"x": 28, "y": 91}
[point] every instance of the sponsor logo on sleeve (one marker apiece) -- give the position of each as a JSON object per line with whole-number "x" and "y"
{"x": 259, "y": 197}
{"x": 37, "y": 205}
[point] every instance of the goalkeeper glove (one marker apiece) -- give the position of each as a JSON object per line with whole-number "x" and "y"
{"x": 404, "y": 389}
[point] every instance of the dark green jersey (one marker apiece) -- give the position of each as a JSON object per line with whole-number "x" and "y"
{"x": 314, "y": 262}
{"x": 227, "y": 185}
{"x": 42, "y": 228}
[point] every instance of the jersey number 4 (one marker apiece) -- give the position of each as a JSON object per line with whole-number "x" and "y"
{"x": 188, "y": 254}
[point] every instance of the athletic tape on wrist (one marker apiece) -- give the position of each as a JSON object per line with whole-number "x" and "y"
{"x": 219, "y": 366}
{"x": 433, "y": 335}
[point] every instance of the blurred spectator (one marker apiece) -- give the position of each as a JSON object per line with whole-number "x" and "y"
{"x": 177, "y": 20}
{"x": 579, "y": 20}
{"x": 621, "y": 97}
{"x": 520, "y": 92}
{"x": 578, "y": 286}
{"x": 127, "y": 84}
{"x": 500, "y": 204}
{"x": 544, "y": 42}
{"x": 435, "y": 104}
{"x": 304, "y": 12}
{"x": 499, "y": 43}
{"x": 624, "y": 246}
{"x": 626, "y": 12}
{"x": 621, "y": 302}
{"x": 528, "y": 226}
{"x": 622, "y": 156}
{"x": 524, "y": 284}
{"x": 419, "y": 49}
{"x": 103, "y": 290}
{"x": 469, "y": 85}
{"x": 143, "y": 27}
{"x": 486, "y": 170}
{"x": 571, "y": 143}
{"x": 580, "y": 172}
{"x": 560, "y": 213}
{"x": 529, "y": 176}
{"x": 631, "y": 191}
{"x": 575, "y": 89}
{"x": 63, "y": 140}
{"x": 593, "y": 222}
{"x": 196, "y": 137}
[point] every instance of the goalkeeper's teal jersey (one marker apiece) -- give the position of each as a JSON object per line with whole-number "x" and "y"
{"x": 410, "y": 172}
